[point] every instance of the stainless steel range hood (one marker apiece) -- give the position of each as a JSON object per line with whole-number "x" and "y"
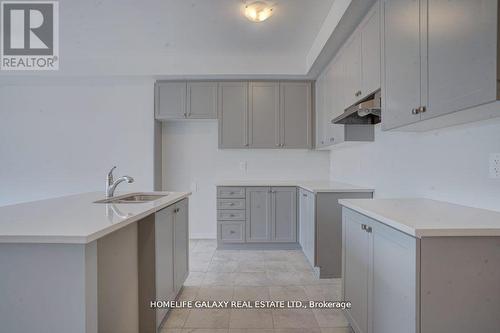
{"x": 366, "y": 112}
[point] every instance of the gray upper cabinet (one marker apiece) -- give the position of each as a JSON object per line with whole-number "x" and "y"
{"x": 170, "y": 100}
{"x": 352, "y": 78}
{"x": 370, "y": 52}
{"x": 295, "y": 114}
{"x": 432, "y": 68}
{"x": 401, "y": 62}
{"x": 461, "y": 59}
{"x": 264, "y": 122}
{"x": 233, "y": 115}
{"x": 259, "y": 215}
{"x": 284, "y": 211}
{"x": 201, "y": 100}
{"x": 186, "y": 100}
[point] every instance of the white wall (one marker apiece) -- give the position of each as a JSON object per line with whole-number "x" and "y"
{"x": 59, "y": 137}
{"x": 191, "y": 157}
{"x": 450, "y": 164}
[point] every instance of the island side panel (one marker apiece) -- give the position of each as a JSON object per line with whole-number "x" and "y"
{"x": 460, "y": 284}
{"x": 118, "y": 281}
{"x": 329, "y": 231}
{"x": 42, "y": 288}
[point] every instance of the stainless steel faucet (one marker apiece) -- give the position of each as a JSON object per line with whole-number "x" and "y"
{"x": 111, "y": 184}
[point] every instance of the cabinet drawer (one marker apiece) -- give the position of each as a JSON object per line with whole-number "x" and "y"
{"x": 232, "y": 232}
{"x": 231, "y": 203}
{"x": 231, "y": 192}
{"x": 231, "y": 215}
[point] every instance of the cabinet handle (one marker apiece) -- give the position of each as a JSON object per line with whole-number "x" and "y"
{"x": 357, "y": 93}
{"x": 422, "y": 109}
{"x": 332, "y": 139}
{"x": 231, "y": 204}
{"x": 232, "y": 232}
{"x": 231, "y": 215}
{"x": 363, "y": 227}
{"x": 304, "y": 195}
{"x": 369, "y": 229}
{"x": 414, "y": 111}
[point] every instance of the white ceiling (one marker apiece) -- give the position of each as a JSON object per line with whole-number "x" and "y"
{"x": 186, "y": 37}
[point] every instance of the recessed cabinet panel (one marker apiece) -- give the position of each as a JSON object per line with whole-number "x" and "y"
{"x": 259, "y": 217}
{"x": 181, "y": 244}
{"x": 295, "y": 112}
{"x": 264, "y": 115}
{"x": 401, "y": 53}
{"x": 171, "y": 100}
{"x": 355, "y": 277}
{"x": 202, "y": 100}
{"x": 233, "y": 114}
{"x": 370, "y": 52}
{"x": 284, "y": 208}
{"x": 461, "y": 58}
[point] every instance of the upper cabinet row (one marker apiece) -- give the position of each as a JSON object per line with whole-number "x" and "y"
{"x": 265, "y": 114}
{"x": 352, "y": 75}
{"x": 261, "y": 114}
{"x": 438, "y": 57}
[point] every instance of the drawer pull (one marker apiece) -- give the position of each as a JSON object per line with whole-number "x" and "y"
{"x": 232, "y": 232}
{"x": 231, "y": 215}
{"x": 231, "y": 192}
{"x": 231, "y": 204}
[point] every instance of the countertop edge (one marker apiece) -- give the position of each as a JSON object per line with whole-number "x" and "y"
{"x": 83, "y": 240}
{"x": 348, "y": 188}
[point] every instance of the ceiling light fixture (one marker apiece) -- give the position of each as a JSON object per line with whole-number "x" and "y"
{"x": 258, "y": 11}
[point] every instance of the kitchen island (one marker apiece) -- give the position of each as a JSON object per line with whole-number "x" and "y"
{"x": 72, "y": 265}
{"x": 420, "y": 266}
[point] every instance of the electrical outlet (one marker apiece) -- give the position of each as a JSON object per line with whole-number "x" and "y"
{"x": 495, "y": 166}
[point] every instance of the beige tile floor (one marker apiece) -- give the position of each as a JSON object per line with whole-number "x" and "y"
{"x": 248, "y": 276}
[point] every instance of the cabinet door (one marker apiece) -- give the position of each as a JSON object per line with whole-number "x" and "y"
{"x": 320, "y": 108}
{"x": 370, "y": 52}
{"x": 352, "y": 56}
{"x": 461, "y": 58}
{"x": 295, "y": 124}
{"x": 202, "y": 100}
{"x": 181, "y": 244}
{"x": 233, "y": 114}
{"x": 355, "y": 269}
{"x": 164, "y": 258}
{"x": 336, "y": 131}
{"x": 307, "y": 225}
{"x": 302, "y": 219}
{"x": 401, "y": 84}
{"x": 259, "y": 217}
{"x": 263, "y": 125}
{"x": 392, "y": 295}
{"x": 171, "y": 100}
{"x": 284, "y": 211}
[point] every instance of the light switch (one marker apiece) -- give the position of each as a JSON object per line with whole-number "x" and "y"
{"x": 495, "y": 166}
{"x": 194, "y": 187}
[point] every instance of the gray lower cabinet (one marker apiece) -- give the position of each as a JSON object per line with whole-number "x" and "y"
{"x": 163, "y": 261}
{"x": 307, "y": 225}
{"x": 380, "y": 276}
{"x": 320, "y": 229}
{"x": 257, "y": 215}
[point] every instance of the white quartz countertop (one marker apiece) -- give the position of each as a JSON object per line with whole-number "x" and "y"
{"x": 428, "y": 218}
{"x": 315, "y": 186}
{"x": 74, "y": 219}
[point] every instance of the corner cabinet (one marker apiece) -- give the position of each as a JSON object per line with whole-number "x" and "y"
{"x": 433, "y": 68}
{"x": 379, "y": 276}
